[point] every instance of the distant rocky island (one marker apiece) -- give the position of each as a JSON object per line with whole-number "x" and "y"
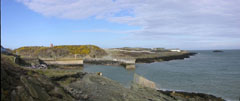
{"x": 217, "y": 51}
{"x": 21, "y": 83}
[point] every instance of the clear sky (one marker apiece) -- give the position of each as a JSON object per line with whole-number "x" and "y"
{"x": 184, "y": 24}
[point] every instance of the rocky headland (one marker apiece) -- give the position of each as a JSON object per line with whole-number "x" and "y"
{"x": 91, "y": 54}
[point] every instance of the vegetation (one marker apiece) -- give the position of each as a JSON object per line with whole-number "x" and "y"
{"x": 57, "y": 72}
{"x": 61, "y": 51}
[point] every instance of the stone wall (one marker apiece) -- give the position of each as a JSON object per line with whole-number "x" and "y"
{"x": 64, "y": 62}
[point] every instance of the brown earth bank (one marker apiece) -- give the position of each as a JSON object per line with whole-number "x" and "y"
{"x": 23, "y": 84}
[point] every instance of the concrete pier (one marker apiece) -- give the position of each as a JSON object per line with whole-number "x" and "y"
{"x": 129, "y": 64}
{"x": 64, "y": 62}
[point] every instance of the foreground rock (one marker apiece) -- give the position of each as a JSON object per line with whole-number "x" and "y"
{"x": 93, "y": 87}
{"x": 18, "y": 84}
{"x": 186, "y": 96}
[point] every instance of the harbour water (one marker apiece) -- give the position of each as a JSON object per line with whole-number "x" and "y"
{"x": 206, "y": 72}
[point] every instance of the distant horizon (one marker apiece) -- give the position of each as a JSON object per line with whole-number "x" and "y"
{"x": 187, "y": 25}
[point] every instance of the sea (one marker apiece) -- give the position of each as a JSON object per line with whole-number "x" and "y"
{"x": 216, "y": 73}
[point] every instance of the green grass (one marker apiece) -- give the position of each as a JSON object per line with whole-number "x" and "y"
{"x": 57, "y": 72}
{"x": 67, "y": 81}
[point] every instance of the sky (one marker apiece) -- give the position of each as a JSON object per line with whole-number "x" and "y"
{"x": 184, "y": 24}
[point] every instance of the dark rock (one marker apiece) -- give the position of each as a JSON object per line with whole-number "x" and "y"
{"x": 190, "y": 96}
{"x": 217, "y": 51}
{"x": 164, "y": 58}
{"x": 18, "y": 85}
{"x": 85, "y": 96}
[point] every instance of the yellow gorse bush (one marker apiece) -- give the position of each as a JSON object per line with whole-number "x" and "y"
{"x": 86, "y": 49}
{"x": 72, "y": 49}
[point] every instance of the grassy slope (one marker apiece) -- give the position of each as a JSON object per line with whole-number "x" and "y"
{"x": 61, "y": 51}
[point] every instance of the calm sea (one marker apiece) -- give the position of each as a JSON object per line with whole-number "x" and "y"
{"x": 206, "y": 72}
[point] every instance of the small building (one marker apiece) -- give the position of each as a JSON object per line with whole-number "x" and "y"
{"x": 51, "y": 45}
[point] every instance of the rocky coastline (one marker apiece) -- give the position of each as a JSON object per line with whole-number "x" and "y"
{"x": 56, "y": 83}
{"x": 192, "y": 96}
{"x": 139, "y": 60}
{"x": 164, "y": 58}
{"x": 21, "y": 84}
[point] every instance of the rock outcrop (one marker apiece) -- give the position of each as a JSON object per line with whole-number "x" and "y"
{"x": 164, "y": 58}
{"x": 217, "y": 51}
{"x": 18, "y": 84}
{"x": 143, "y": 81}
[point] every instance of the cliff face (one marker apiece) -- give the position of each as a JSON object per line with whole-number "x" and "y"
{"x": 18, "y": 84}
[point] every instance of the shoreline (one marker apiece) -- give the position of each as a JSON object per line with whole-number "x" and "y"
{"x": 169, "y": 91}
{"x": 165, "y": 58}
{"x": 186, "y": 94}
{"x": 81, "y": 85}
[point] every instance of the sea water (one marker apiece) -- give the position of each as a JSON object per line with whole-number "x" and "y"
{"x": 206, "y": 72}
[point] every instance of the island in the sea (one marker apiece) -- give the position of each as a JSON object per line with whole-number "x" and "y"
{"x": 46, "y": 73}
{"x": 217, "y": 51}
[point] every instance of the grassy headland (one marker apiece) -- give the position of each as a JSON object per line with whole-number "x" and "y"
{"x": 61, "y": 51}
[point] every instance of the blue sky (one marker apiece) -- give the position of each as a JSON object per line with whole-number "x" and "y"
{"x": 186, "y": 24}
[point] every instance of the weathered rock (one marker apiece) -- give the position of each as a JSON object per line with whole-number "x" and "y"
{"x": 164, "y": 58}
{"x": 18, "y": 85}
{"x": 143, "y": 81}
{"x": 189, "y": 96}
